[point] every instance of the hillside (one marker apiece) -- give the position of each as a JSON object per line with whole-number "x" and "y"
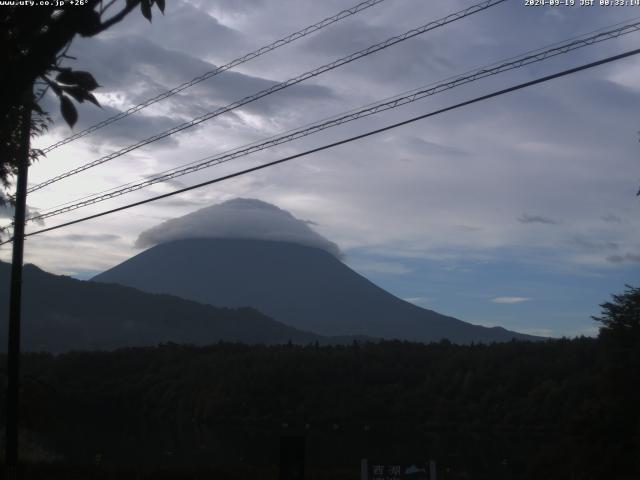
{"x": 304, "y": 287}
{"x": 61, "y": 313}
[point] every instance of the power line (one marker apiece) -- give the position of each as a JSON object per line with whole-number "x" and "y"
{"x": 279, "y": 86}
{"x": 344, "y": 141}
{"x": 603, "y": 31}
{"x": 233, "y": 63}
{"x": 372, "y": 109}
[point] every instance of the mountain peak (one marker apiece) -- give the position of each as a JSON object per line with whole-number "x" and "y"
{"x": 239, "y": 218}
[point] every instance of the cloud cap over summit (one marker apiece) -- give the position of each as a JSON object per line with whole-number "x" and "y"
{"x": 245, "y": 218}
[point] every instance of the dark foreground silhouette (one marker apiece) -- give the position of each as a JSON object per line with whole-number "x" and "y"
{"x": 61, "y": 314}
{"x": 558, "y": 409}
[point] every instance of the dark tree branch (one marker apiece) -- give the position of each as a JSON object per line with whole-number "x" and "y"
{"x": 115, "y": 19}
{"x": 103, "y": 9}
{"x": 33, "y": 43}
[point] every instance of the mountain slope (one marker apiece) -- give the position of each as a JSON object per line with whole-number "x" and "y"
{"x": 304, "y": 287}
{"x": 61, "y": 313}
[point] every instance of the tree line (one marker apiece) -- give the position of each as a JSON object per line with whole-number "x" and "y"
{"x": 563, "y": 409}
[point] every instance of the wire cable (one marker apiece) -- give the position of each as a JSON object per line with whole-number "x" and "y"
{"x": 372, "y": 109}
{"x": 277, "y": 87}
{"x": 344, "y": 141}
{"x": 354, "y": 110}
{"x": 205, "y": 76}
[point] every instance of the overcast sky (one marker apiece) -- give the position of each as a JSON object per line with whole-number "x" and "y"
{"x": 519, "y": 211}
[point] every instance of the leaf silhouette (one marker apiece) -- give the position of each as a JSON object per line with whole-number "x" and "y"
{"x": 68, "y": 110}
{"x": 76, "y": 92}
{"x": 78, "y": 77}
{"x": 93, "y": 99}
{"x": 145, "y": 7}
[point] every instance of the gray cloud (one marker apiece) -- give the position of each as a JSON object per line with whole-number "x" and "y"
{"x": 467, "y": 228}
{"x": 423, "y": 56}
{"x": 526, "y": 218}
{"x": 357, "y": 34}
{"x": 126, "y": 131}
{"x": 229, "y": 5}
{"x": 594, "y": 246}
{"x": 106, "y": 237}
{"x": 611, "y": 218}
{"x": 417, "y": 144}
{"x": 172, "y": 182}
{"x": 626, "y": 258}
{"x": 380, "y": 266}
{"x": 510, "y": 300}
{"x": 138, "y": 68}
{"x": 184, "y": 202}
{"x": 238, "y": 218}
{"x": 211, "y": 35}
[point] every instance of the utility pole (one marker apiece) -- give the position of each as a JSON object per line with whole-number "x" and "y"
{"x": 15, "y": 303}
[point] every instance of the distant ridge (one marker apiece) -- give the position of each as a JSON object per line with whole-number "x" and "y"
{"x": 301, "y": 286}
{"x": 61, "y": 314}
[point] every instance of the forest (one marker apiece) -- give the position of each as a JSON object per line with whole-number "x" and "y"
{"x": 564, "y": 408}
